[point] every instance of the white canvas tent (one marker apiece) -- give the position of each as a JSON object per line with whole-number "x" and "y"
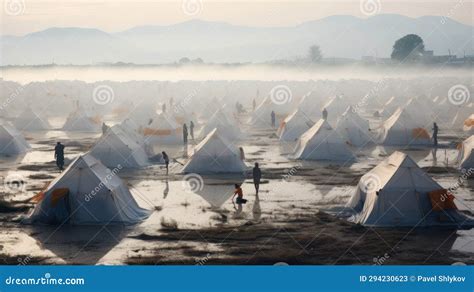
{"x": 163, "y": 129}
{"x": 116, "y": 147}
{"x": 28, "y": 120}
{"x": 87, "y": 193}
{"x": 353, "y": 128}
{"x": 466, "y": 154}
{"x": 79, "y": 121}
{"x": 322, "y": 142}
{"x": 11, "y": 140}
{"x": 294, "y": 125}
{"x": 311, "y": 103}
{"x": 420, "y": 111}
{"x": 335, "y": 106}
{"x": 262, "y": 115}
{"x": 215, "y": 154}
{"x": 397, "y": 193}
{"x": 226, "y": 127}
{"x": 402, "y": 129}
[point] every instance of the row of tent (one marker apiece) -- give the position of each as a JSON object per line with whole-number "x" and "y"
{"x": 397, "y": 192}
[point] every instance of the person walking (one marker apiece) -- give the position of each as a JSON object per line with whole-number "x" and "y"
{"x": 166, "y": 159}
{"x": 59, "y": 155}
{"x": 257, "y": 175}
{"x": 273, "y": 119}
{"x": 435, "y": 134}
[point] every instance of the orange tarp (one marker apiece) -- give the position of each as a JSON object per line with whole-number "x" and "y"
{"x": 469, "y": 123}
{"x": 159, "y": 132}
{"x": 96, "y": 120}
{"x": 57, "y": 195}
{"x": 420, "y": 133}
{"x": 442, "y": 200}
{"x": 39, "y": 196}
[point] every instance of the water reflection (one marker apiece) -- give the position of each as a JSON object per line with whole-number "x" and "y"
{"x": 79, "y": 244}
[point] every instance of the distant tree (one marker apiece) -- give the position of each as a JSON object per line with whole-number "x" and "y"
{"x": 184, "y": 60}
{"x": 198, "y": 60}
{"x": 315, "y": 54}
{"x": 409, "y": 47}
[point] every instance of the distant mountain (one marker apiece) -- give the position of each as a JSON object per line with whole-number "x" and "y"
{"x": 338, "y": 36}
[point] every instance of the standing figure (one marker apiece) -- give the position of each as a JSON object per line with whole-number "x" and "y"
{"x": 191, "y": 129}
{"x": 273, "y": 119}
{"x": 242, "y": 153}
{"x": 257, "y": 175}
{"x": 325, "y": 114}
{"x": 166, "y": 159}
{"x": 163, "y": 107}
{"x": 59, "y": 155}
{"x": 185, "y": 134}
{"x": 240, "y": 195}
{"x": 435, "y": 134}
{"x": 254, "y": 104}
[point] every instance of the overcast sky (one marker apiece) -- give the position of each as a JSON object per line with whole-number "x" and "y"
{"x": 23, "y": 16}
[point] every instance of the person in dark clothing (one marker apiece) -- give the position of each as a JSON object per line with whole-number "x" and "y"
{"x": 257, "y": 175}
{"x": 166, "y": 159}
{"x": 185, "y": 134}
{"x": 163, "y": 107}
{"x": 104, "y": 128}
{"x": 191, "y": 129}
{"x": 59, "y": 155}
{"x": 325, "y": 114}
{"x": 435, "y": 134}
{"x": 273, "y": 119}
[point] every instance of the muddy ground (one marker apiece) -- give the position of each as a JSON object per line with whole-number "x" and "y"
{"x": 285, "y": 224}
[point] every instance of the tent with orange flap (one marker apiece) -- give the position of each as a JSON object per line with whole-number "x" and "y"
{"x": 397, "y": 192}
{"x": 401, "y": 129}
{"x": 87, "y": 193}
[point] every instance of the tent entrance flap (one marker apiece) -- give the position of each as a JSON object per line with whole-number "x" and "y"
{"x": 441, "y": 200}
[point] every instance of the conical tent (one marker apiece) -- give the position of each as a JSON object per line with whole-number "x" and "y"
{"x": 262, "y": 114}
{"x": 294, "y": 125}
{"x": 402, "y": 129}
{"x": 28, "y": 120}
{"x": 420, "y": 111}
{"x": 163, "y": 129}
{"x": 460, "y": 115}
{"x": 469, "y": 124}
{"x": 79, "y": 121}
{"x": 334, "y": 107}
{"x": 397, "y": 192}
{"x": 116, "y": 148}
{"x": 311, "y": 103}
{"x": 322, "y": 142}
{"x": 87, "y": 193}
{"x": 466, "y": 154}
{"x": 214, "y": 154}
{"x": 353, "y": 128}
{"x": 11, "y": 140}
{"x": 225, "y": 126}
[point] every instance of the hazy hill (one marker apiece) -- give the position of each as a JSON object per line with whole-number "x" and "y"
{"x": 338, "y": 36}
